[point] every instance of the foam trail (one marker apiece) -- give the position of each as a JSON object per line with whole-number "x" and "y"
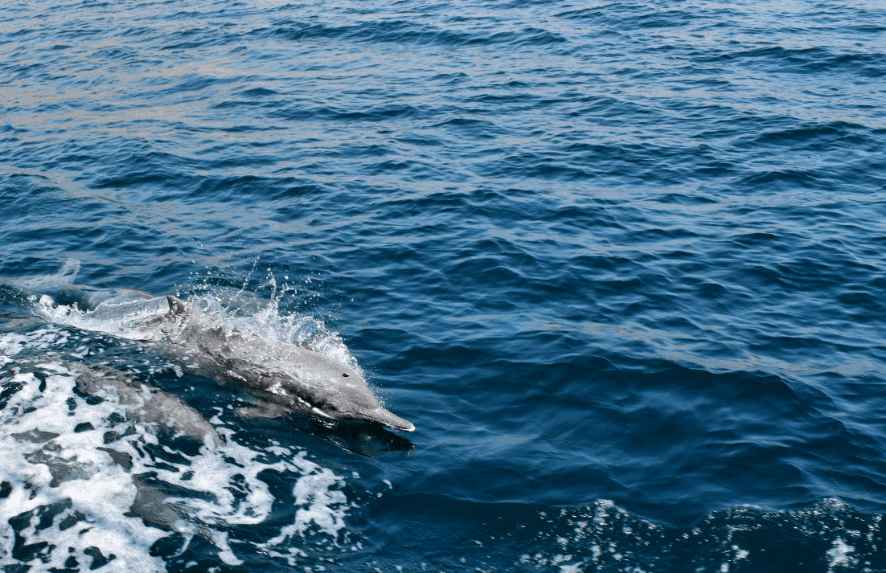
{"x": 85, "y": 487}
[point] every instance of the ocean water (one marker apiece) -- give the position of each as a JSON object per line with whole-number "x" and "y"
{"x": 622, "y": 264}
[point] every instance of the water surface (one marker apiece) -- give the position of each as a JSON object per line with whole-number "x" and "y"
{"x": 621, "y": 263}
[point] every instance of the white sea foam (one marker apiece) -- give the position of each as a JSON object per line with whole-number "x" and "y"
{"x": 839, "y": 555}
{"x": 97, "y": 492}
{"x": 260, "y": 319}
{"x": 119, "y": 319}
{"x": 66, "y": 490}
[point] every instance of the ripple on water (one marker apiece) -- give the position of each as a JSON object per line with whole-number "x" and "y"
{"x": 627, "y": 251}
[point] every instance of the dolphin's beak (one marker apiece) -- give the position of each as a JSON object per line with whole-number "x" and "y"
{"x": 390, "y": 420}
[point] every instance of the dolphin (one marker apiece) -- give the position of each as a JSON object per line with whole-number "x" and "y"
{"x": 140, "y": 401}
{"x": 284, "y": 377}
{"x": 147, "y": 403}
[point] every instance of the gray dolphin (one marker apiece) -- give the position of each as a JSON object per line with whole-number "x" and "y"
{"x": 147, "y": 403}
{"x": 284, "y": 377}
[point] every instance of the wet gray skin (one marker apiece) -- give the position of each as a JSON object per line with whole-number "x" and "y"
{"x": 146, "y": 403}
{"x": 284, "y": 377}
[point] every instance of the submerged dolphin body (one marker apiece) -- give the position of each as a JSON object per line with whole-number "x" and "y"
{"x": 146, "y": 403}
{"x": 284, "y": 377}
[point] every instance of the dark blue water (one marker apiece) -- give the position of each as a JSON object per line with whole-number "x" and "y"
{"x": 622, "y": 264}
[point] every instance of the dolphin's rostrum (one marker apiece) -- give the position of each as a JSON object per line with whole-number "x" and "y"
{"x": 284, "y": 377}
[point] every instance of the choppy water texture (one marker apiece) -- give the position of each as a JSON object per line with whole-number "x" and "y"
{"x": 621, "y": 263}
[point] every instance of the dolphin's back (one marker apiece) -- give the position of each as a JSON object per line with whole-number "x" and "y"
{"x": 147, "y": 403}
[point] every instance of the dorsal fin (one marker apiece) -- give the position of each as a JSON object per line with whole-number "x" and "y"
{"x": 176, "y": 306}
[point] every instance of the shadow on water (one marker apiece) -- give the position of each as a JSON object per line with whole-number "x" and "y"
{"x": 362, "y": 438}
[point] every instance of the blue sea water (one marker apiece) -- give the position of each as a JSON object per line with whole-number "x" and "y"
{"x": 622, "y": 264}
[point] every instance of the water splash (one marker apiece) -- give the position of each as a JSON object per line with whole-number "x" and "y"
{"x": 122, "y": 312}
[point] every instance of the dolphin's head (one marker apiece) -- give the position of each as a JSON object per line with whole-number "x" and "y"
{"x": 387, "y": 418}
{"x": 339, "y": 392}
{"x": 352, "y": 404}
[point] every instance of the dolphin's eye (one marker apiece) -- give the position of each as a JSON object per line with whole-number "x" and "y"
{"x": 345, "y": 374}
